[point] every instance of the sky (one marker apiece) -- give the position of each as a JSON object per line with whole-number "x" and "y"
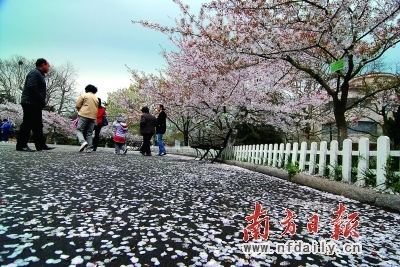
{"x": 96, "y": 36}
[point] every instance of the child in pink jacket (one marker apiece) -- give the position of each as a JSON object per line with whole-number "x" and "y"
{"x": 121, "y": 128}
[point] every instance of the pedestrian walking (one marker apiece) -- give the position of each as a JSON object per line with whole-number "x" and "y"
{"x": 87, "y": 106}
{"x": 161, "y": 129}
{"x": 6, "y": 128}
{"x": 33, "y": 100}
{"x": 121, "y": 128}
{"x": 147, "y": 129}
{"x": 101, "y": 113}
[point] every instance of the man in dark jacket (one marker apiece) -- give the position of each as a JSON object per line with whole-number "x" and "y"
{"x": 160, "y": 129}
{"x": 147, "y": 128}
{"x": 33, "y": 101}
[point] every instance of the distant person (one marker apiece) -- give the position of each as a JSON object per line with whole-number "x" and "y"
{"x": 33, "y": 100}
{"x": 87, "y": 106}
{"x": 6, "y": 128}
{"x": 101, "y": 112}
{"x": 121, "y": 128}
{"x": 161, "y": 129}
{"x": 147, "y": 129}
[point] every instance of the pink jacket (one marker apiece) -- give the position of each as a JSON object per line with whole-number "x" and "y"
{"x": 120, "y": 131}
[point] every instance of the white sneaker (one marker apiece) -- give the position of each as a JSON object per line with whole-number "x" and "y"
{"x": 83, "y": 146}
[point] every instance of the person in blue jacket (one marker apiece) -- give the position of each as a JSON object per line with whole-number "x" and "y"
{"x": 6, "y": 128}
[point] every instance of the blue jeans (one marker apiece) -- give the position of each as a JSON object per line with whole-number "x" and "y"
{"x": 161, "y": 148}
{"x": 119, "y": 147}
{"x": 85, "y": 125}
{"x": 6, "y": 133}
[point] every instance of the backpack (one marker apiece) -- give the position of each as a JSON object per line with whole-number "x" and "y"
{"x": 102, "y": 117}
{"x": 105, "y": 120}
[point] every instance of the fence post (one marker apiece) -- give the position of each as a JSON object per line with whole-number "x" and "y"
{"x": 382, "y": 154}
{"x": 247, "y": 153}
{"x": 256, "y": 154}
{"x": 313, "y": 158}
{"x": 346, "y": 161}
{"x": 303, "y": 156}
{"x": 281, "y": 153}
{"x": 260, "y": 154}
{"x": 322, "y": 158}
{"x": 252, "y": 154}
{"x": 265, "y": 157}
{"x": 333, "y": 156}
{"x": 275, "y": 160}
{"x": 287, "y": 153}
{"x": 363, "y": 160}
{"x": 270, "y": 147}
{"x": 295, "y": 152}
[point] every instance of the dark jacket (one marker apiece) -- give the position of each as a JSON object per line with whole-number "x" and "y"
{"x": 34, "y": 92}
{"x": 147, "y": 124}
{"x": 161, "y": 123}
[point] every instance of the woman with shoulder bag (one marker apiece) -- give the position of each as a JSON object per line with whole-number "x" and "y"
{"x": 101, "y": 113}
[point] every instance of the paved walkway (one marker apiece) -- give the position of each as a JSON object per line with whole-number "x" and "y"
{"x": 65, "y": 208}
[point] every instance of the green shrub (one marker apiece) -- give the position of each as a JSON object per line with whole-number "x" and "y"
{"x": 392, "y": 179}
{"x": 292, "y": 168}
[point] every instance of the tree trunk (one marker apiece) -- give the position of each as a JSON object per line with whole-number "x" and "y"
{"x": 339, "y": 109}
{"x": 186, "y": 133}
{"x": 341, "y": 124}
{"x": 340, "y": 119}
{"x": 186, "y": 138}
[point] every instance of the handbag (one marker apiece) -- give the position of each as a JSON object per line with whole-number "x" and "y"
{"x": 105, "y": 120}
{"x": 75, "y": 122}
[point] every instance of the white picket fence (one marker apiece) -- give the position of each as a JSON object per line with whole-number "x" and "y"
{"x": 314, "y": 160}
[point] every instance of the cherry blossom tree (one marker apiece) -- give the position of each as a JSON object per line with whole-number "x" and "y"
{"x": 174, "y": 95}
{"x": 54, "y": 125}
{"x": 127, "y": 103}
{"x": 12, "y": 112}
{"x": 229, "y": 88}
{"x": 306, "y": 36}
